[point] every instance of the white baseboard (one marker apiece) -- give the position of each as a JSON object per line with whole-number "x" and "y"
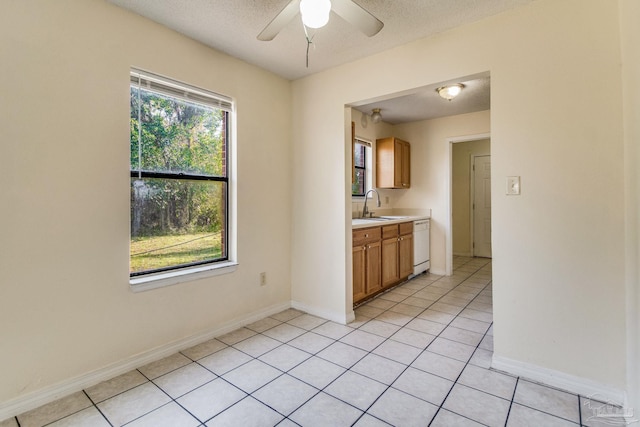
{"x": 463, "y": 254}
{"x": 342, "y": 318}
{"x": 577, "y": 385}
{"x": 30, "y": 401}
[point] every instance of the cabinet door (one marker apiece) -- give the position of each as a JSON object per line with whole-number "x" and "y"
{"x": 373, "y": 256}
{"x": 397, "y": 164}
{"x": 390, "y": 273}
{"x": 385, "y": 163}
{"x": 405, "y": 169}
{"x": 359, "y": 273}
{"x": 405, "y": 255}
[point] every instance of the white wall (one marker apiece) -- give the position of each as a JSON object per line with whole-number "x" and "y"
{"x": 559, "y": 284}
{"x": 65, "y": 304}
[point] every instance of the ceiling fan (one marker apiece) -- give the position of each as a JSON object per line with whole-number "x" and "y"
{"x": 351, "y": 12}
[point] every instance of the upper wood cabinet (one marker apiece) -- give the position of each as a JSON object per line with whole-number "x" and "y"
{"x": 393, "y": 164}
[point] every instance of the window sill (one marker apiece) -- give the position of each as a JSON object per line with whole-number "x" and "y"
{"x": 160, "y": 280}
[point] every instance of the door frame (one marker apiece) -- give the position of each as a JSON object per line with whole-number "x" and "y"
{"x": 472, "y": 193}
{"x": 449, "y": 221}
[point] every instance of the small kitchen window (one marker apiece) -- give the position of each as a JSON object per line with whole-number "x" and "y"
{"x": 362, "y": 156}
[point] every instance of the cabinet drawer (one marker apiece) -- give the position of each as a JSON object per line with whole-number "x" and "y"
{"x": 389, "y": 231}
{"x": 365, "y": 235}
{"x": 406, "y": 228}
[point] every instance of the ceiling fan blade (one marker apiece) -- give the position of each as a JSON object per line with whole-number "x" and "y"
{"x": 357, "y": 16}
{"x": 280, "y": 21}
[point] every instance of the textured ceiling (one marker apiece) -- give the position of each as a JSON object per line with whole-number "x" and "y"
{"x": 425, "y": 103}
{"x": 231, "y": 26}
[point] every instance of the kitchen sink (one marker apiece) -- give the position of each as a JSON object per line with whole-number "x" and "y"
{"x": 382, "y": 218}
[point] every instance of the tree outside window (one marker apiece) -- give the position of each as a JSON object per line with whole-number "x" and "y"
{"x": 359, "y": 187}
{"x": 179, "y": 182}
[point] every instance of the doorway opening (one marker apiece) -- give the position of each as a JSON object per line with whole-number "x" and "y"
{"x": 469, "y": 228}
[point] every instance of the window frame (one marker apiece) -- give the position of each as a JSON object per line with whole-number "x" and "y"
{"x": 362, "y": 168}
{"x": 164, "y": 276}
{"x": 368, "y": 165}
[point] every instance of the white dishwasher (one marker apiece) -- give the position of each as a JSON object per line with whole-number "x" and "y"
{"x": 420, "y": 246}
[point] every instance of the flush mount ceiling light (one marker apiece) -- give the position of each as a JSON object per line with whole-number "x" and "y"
{"x": 315, "y": 13}
{"x": 376, "y": 117}
{"x": 450, "y": 91}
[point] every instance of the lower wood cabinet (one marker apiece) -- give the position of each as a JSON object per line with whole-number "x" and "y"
{"x": 390, "y": 272}
{"x": 366, "y": 262}
{"x": 382, "y": 258}
{"x": 405, "y": 250}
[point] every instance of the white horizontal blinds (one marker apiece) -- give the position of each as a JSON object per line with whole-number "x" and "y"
{"x": 363, "y": 142}
{"x": 180, "y": 90}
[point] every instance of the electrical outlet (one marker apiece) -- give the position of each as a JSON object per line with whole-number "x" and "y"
{"x": 263, "y": 279}
{"x": 386, "y": 200}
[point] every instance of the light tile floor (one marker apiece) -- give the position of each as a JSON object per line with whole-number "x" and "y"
{"x": 418, "y": 355}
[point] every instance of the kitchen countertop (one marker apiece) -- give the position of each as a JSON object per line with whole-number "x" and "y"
{"x": 388, "y": 220}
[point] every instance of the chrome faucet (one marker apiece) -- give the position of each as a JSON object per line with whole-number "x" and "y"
{"x": 364, "y": 209}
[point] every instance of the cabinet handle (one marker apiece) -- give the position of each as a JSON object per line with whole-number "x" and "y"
{"x": 366, "y": 235}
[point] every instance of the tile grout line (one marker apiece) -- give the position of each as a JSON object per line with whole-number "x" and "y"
{"x": 580, "y": 409}
{"x": 470, "y": 274}
{"x": 170, "y": 397}
{"x": 257, "y": 358}
{"x": 282, "y": 373}
{"x": 73, "y": 413}
{"x": 461, "y": 372}
{"x": 95, "y": 405}
{"x": 428, "y": 345}
{"x": 369, "y": 352}
{"x": 513, "y": 396}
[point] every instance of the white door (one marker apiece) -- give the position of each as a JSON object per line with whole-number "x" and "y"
{"x": 482, "y": 206}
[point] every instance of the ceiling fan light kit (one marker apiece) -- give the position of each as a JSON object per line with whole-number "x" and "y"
{"x": 449, "y": 92}
{"x": 315, "y": 13}
{"x": 376, "y": 117}
{"x": 351, "y": 12}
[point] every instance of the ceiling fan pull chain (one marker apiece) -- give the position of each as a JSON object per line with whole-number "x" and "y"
{"x": 309, "y": 42}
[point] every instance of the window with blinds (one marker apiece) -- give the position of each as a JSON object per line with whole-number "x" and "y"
{"x": 362, "y": 161}
{"x": 179, "y": 175}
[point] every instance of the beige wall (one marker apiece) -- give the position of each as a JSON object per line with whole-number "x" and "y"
{"x": 65, "y": 304}
{"x": 630, "y": 40}
{"x": 559, "y": 248}
{"x": 559, "y": 284}
{"x": 462, "y": 156}
{"x": 371, "y": 132}
{"x": 431, "y": 173}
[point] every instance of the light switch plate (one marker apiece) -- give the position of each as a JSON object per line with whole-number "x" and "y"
{"x": 513, "y": 185}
